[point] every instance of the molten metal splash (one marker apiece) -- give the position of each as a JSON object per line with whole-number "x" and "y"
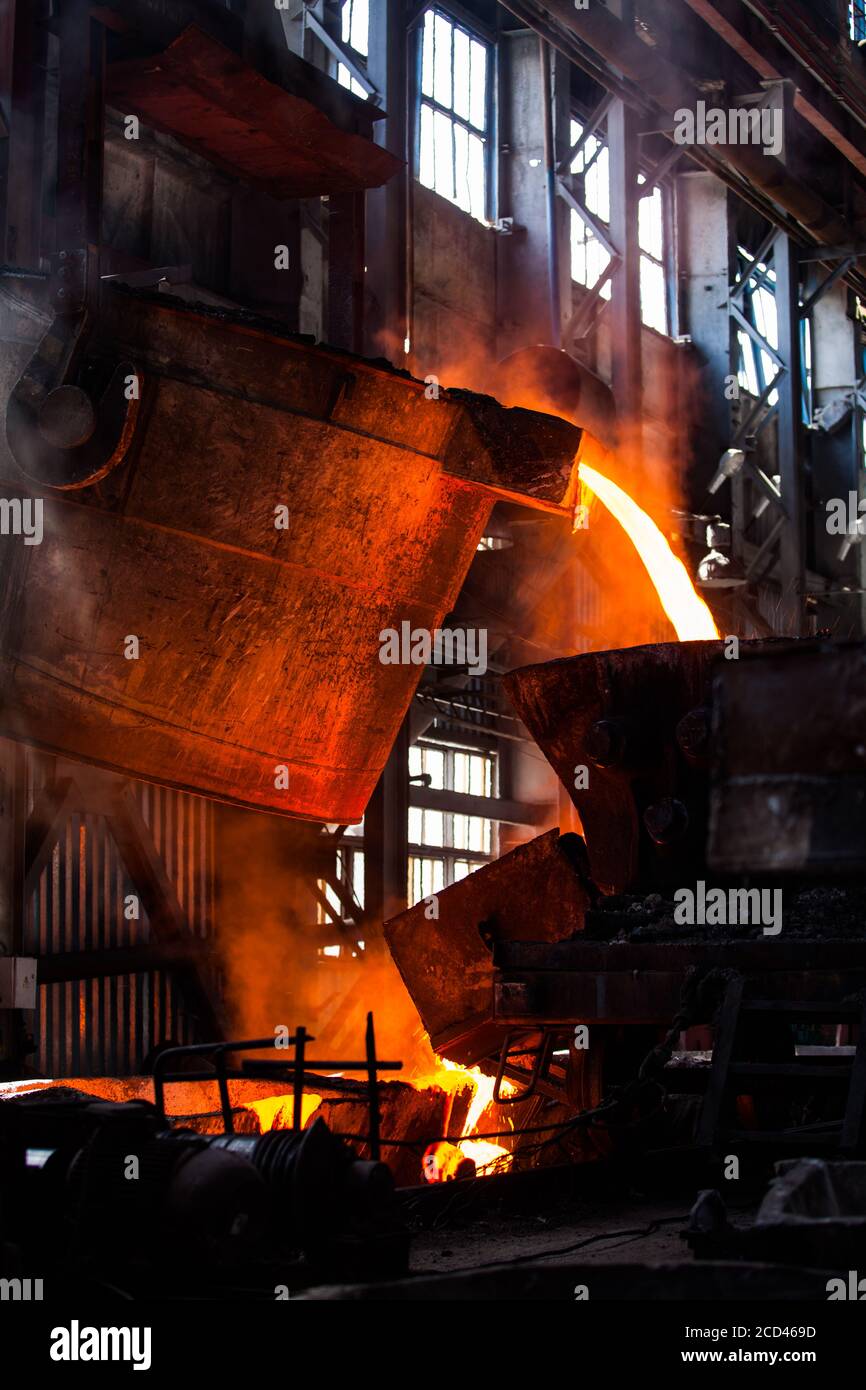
{"x": 484, "y": 1153}
{"x": 275, "y": 1112}
{"x": 687, "y": 611}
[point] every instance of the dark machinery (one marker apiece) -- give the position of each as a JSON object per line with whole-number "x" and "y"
{"x": 716, "y": 776}
{"x": 111, "y": 1196}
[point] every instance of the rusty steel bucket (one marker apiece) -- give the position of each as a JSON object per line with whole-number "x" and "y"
{"x": 628, "y": 734}
{"x": 258, "y": 678}
{"x": 537, "y": 892}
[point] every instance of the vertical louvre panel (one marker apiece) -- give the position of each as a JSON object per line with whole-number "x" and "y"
{"x": 107, "y": 1025}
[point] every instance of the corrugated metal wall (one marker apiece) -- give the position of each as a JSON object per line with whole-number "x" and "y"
{"x": 108, "y": 1025}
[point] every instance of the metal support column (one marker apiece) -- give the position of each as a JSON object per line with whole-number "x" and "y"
{"x": 622, "y": 131}
{"x": 385, "y": 310}
{"x": 792, "y": 566}
{"x": 386, "y": 836}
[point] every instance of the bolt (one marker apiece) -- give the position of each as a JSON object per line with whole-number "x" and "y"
{"x": 693, "y": 736}
{"x": 606, "y": 742}
{"x": 666, "y": 821}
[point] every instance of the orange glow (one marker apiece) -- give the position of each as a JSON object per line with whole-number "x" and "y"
{"x": 442, "y": 1162}
{"x": 487, "y": 1155}
{"x": 275, "y": 1112}
{"x": 690, "y": 616}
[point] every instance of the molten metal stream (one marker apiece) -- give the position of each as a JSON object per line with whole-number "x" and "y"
{"x": 690, "y": 616}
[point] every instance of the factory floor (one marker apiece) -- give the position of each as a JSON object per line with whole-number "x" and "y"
{"x": 633, "y": 1228}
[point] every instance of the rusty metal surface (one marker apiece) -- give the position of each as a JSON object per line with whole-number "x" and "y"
{"x": 789, "y": 774}
{"x": 213, "y": 102}
{"x": 616, "y": 714}
{"x": 259, "y": 647}
{"x": 535, "y": 893}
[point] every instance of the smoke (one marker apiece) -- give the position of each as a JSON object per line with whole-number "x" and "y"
{"x": 269, "y": 942}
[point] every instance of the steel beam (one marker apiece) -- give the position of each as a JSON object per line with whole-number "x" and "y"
{"x": 792, "y": 547}
{"x": 625, "y": 310}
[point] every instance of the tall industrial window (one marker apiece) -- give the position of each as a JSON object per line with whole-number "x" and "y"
{"x": 857, "y": 20}
{"x": 355, "y": 33}
{"x": 589, "y": 259}
{"x": 591, "y": 166}
{"x": 756, "y": 368}
{"x": 341, "y": 898}
{"x": 453, "y": 130}
{"x": 653, "y": 279}
{"x": 445, "y": 846}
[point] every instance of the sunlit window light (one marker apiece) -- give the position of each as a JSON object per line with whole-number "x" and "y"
{"x": 452, "y": 135}
{"x": 355, "y": 32}
{"x": 436, "y": 838}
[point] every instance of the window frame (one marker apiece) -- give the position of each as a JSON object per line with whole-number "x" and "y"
{"x": 448, "y": 854}
{"x": 667, "y": 263}
{"x": 461, "y": 20}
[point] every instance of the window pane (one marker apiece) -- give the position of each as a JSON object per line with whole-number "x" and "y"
{"x": 478, "y": 86}
{"x": 427, "y": 56}
{"x": 432, "y": 828}
{"x": 434, "y": 763}
{"x": 461, "y": 168}
{"x": 652, "y": 295}
{"x": 425, "y": 162}
{"x": 575, "y": 132}
{"x": 472, "y": 832}
{"x": 766, "y": 322}
{"x": 426, "y": 876}
{"x": 416, "y": 825}
{"x": 598, "y": 185}
{"x": 416, "y": 761}
{"x": 578, "y": 249}
{"x": 360, "y": 30}
{"x": 477, "y": 199}
{"x": 358, "y": 875}
{"x": 748, "y": 375}
{"x": 442, "y": 32}
{"x": 443, "y": 156}
{"x": 650, "y": 224}
{"x": 461, "y": 73}
{"x": 596, "y": 261}
{"x": 461, "y": 772}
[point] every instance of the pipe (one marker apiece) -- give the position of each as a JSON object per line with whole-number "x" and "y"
{"x": 671, "y": 91}
{"x": 550, "y": 194}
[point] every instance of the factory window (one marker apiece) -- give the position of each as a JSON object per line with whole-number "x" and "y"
{"x": 445, "y": 846}
{"x": 355, "y": 27}
{"x": 347, "y": 904}
{"x": 653, "y": 280}
{"x": 589, "y": 259}
{"x": 756, "y": 368}
{"x": 454, "y": 113}
{"x": 857, "y": 20}
{"x": 592, "y": 167}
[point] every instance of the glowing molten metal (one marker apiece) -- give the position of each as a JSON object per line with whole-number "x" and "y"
{"x": 687, "y": 611}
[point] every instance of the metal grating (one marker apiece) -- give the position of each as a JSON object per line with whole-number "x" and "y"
{"x": 106, "y": 1026}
